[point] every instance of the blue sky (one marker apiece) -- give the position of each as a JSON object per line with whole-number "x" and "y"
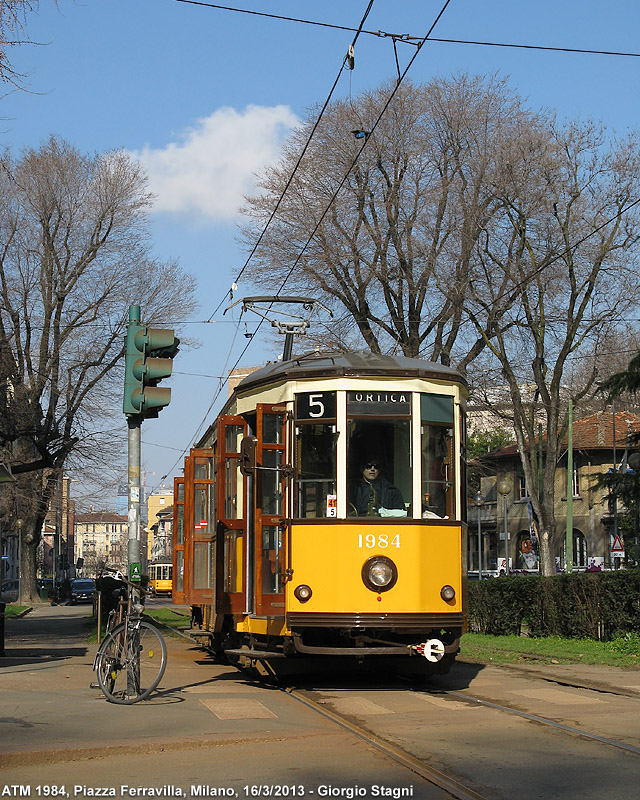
{"x": 205, "y": 96}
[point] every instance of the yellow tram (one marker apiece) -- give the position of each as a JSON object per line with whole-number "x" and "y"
{"x": 323, "y": 514}
{"x": 160, "y": 577}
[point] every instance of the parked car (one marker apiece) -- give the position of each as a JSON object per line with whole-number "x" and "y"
{"x": 9, "y": 591}
{"x": 83, "y": 590}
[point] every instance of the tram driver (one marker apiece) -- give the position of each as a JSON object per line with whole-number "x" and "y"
{"x": 374, "y": 495}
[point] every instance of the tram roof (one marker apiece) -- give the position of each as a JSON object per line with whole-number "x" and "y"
{"x": 354, "y": 364}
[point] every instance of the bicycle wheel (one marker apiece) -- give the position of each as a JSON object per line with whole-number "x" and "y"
{"x": 131, "y": 662}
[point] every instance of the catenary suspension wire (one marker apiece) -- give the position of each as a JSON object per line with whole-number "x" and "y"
{"x": 412, "y": 39}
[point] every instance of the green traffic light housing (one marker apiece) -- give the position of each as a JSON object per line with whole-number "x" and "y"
{"x": 148, "y": 359}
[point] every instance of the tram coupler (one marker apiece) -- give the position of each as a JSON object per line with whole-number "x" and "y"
{"x": 432, "y": 650}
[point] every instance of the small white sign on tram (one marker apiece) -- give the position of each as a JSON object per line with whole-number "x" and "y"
{"x": 332, "y": 505}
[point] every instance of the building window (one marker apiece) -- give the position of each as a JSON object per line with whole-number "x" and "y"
{"x": 576, "y": 481}
{"x": 579, "y": 549}
{"x": 522, "y": 488}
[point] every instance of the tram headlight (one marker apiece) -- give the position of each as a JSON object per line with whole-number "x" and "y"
{"x": 302, "y": 592}
{"x": 447, "y": 593}
{"x": 379, "y": 574}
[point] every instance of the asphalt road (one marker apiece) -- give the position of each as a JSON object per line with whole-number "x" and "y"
{"x": 210, "y": 731}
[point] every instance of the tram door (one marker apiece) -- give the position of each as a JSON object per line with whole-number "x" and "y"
{"x": 232, "y": 517}
{"x": 270, "y": 509}
{"x": 199, "y": 526}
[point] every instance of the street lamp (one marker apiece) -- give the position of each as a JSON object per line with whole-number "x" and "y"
{"x": 504, "y": 487}
{"x": 478, "y": 502}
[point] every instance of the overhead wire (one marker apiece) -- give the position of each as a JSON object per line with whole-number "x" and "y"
{"x": 347, "y": 172}
{"x": 326, "y": 103}
{"x": 407, "y": 38}
{"x": 364, "y": 143}
{"x": 298, "y": 162}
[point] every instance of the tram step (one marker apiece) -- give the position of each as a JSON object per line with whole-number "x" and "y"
{"x": 254, "y": 653}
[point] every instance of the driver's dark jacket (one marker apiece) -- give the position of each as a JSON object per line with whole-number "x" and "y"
{"x": 369, "y": 497}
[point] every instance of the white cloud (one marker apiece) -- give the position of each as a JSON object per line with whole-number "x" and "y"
{"x": 213, "y": 165}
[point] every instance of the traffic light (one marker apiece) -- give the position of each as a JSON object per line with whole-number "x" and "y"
{"x": 148, "y": 359}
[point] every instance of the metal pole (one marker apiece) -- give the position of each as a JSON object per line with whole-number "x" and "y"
{"x": 133, "y": 550}
{"x": 568, "y": 542}
{"x": 615, "y": 496}
{"x": 478, "y": 503}
{"x": 479, "y": 549}
{"x": 634, "y": 463}
{"x": 19, "y": 524}
{"x": 506, "y": 538}
{"x": 636, "y": 532}
{"x": 504, "y": 487}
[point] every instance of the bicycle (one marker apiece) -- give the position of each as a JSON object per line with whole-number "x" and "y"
{"x": 132, "y": 657}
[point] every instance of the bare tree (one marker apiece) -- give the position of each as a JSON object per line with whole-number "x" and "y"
{"x": 394, "y": 251}
{"x": 74, "y": 253}
{"x": 13, "y": 19}
{"x": 564, "y": 265}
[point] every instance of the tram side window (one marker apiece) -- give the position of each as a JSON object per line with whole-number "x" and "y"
{"x": 233, "y": 485}
{"x": 379, "y": 468}
{"x": 203, "y": 532}
{"x": 437, "y": 471}
{"x": 315, "y": 470}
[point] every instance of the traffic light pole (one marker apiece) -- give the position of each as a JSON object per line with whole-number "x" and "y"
{"x": 149, "y": 356}
{"x": 133, "y": 480}
{"x": 134, "y": 491}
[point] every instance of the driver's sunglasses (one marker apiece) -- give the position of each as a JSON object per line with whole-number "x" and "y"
{"x": 372, "y": 464}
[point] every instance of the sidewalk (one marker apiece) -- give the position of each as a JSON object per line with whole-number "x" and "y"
{"x": 48, "y": 705}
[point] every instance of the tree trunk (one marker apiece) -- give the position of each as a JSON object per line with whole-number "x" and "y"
{"x": 29, "y": 541}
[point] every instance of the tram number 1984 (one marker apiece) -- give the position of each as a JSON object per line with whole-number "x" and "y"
{"x": 382, "y": 540}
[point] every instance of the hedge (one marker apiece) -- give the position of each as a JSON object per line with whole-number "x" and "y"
{"x": 597, "y": 605}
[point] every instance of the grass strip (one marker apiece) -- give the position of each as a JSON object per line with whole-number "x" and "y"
{"x": 623, "y": 651}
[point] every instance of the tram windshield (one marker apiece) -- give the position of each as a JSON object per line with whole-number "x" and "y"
{"x": 381, "y": 460}
{"x": 379, "y": 468}
{"x": 379, "y": 454}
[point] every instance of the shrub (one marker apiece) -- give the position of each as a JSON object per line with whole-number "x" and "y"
{"x": 576, "y": 605}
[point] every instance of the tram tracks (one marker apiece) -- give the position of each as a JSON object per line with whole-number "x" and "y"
{"x": 435, "y": 776}
{"x": 545, "y": 721}
{"x": 462, "y": 788}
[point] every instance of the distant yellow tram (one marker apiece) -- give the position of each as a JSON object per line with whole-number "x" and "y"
{"x": 323, "y": 514}
{"x": 161, "y": 577}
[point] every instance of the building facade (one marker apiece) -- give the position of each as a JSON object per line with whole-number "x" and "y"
{"x": 595, "y": 512}
{"x": 101, "y": 537}
{"x": 159, "y": 543}
{"x": 161, "y": 537}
